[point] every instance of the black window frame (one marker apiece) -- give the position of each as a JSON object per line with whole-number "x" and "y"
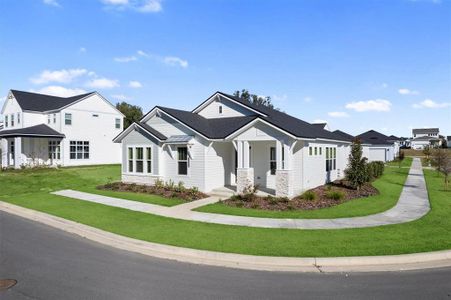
{"x": 182, "y": 160}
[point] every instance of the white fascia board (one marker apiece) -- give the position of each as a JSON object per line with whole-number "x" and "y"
{"x": 120, "y": 136}
{"x": 211, "y": 98}
{"x": 87, "y": 96}
{"x": 250, "y": 124}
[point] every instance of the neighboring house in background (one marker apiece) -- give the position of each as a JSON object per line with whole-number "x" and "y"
{"x": 47, "y": 130}
{"x": 1, "y": 125}
{"x": 227, "y": 141}
{"x": 448, "y": 141}
{"x": 324, "y": 126}
{"x": 378, "y": 146}
{"x": 423, "y": 137}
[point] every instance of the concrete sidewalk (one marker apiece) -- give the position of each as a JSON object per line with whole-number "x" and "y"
{"x": 412, "y": 205}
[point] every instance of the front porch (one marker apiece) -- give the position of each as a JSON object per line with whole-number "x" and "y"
{"x": 30, "y": 147}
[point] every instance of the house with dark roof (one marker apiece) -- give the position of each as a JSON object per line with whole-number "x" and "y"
{"x": 379, "y": 147}
{"x": 425, "y": 137}
{"x": 42, "y": 129}
{"x": 227, "y": 141}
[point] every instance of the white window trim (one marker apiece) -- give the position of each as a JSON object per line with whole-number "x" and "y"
{"x": 83, "y": 150}
{"x": 144, "y": 173}
{"x": 187, "y": 161}
{"x": 65, "y": 118}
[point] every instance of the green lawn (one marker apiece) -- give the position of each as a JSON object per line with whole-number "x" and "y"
{"x": 390, "y": 186}
{"x": 432, "y": 232}
{"x": 80, "y": 178}
{"x": 406, "y": 162}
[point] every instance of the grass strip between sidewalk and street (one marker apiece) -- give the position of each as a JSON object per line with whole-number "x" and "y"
{"x": 31, "y": 190}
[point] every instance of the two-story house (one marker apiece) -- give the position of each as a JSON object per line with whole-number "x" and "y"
{"x": 423, "y": 137}
{"x": 48, "y": 130}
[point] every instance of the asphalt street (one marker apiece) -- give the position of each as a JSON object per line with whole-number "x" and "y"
{"x": 52, "y": 264}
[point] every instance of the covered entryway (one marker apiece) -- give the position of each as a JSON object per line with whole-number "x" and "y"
{"x": 30, "y": 147}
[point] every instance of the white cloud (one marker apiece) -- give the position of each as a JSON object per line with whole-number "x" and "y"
{"x": 370, "y": 105}
{"x": 338, "y": 114}
{"x": 428, "y": 103}
{"x": 120, "y": 97}
{"x": 142, "y": 53}
{"x": 135, "y": 84}
{"x": 60, "y": 91}
{"x": 308, "y": 99}
{"x": 125, "y": 59}
{"x": 102, "y": 83}
{"x": 405, "y": 91}
{"x": 143, "y": 6}
{"x": 82, "y": 50}
{"x": 51, "y": 3}
{"x": 175, "y": 61}
{"x": 61, "y": 76}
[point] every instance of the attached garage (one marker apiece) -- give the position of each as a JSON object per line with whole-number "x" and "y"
{"x": 377, "y": 154}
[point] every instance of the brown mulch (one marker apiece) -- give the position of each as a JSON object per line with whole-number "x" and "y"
{"x": 187, "y": 194}
{"x": 297, "y": 203}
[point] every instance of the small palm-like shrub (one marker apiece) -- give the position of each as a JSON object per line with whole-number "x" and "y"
{"x": 335, "y": 195}
{"x": 308, "y": 195}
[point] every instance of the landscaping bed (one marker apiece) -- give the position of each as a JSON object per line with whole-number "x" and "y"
{"x": 165, "y": 190}
{"x": 320, "y": 197}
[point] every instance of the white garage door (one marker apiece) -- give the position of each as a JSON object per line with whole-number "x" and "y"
{"x": 377, "y": 154}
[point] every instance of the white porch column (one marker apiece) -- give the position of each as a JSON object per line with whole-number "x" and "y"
{"x": 240, "y": 154}
{"x": 17, "y": 152}
{"x": 288, "y": 156}
{"x": 246, "y": 163}
{"x": 245, "y": 174}
{"x": 4, "y": 158}
{"x": 278, "y": 155}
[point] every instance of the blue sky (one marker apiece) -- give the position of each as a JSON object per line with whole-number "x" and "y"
{"x": 383, "y": 65}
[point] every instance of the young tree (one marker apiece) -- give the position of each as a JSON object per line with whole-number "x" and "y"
{"x": 441, "y": 160}
{"x": 356, "y": 171}
{"x": 255, "y": 99}
{"x": 133, "y": 113}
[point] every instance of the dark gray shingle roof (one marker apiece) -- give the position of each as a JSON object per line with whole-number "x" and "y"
{"x": 153, "y": 131}
{"x": 345, "y": 136}
{"x": 425, "y": 130}
{"x": 41, "y": 130}
{"x": 41, "y": 102}
{"x": 217, "y": 128}
{"x": 373, "y": 137}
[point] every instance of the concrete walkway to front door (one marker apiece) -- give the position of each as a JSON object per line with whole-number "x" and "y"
{"x": 412, "y": 205}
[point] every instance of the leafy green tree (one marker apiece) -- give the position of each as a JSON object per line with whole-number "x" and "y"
{"x": 133, "y": 113}
{"x": 255, "y": 99}
{"x": 441, "y": 160}
{"x": 356, "y": 171}
{"x": 400, "y": 158}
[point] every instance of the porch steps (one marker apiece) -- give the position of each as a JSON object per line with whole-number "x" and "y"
{"x": 223, "y": 192}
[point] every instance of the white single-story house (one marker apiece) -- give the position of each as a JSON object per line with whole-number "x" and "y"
{"x": 379, "y": 147}
{"x": 227, "y": 141}
{"x": 48, "y": 130}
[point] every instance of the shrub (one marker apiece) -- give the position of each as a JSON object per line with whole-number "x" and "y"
{"x": 308, "y": 195}
{"x": 336, "y": 195}
{"x": 180, "y": 188}
{"x": 272, "y": 200}
{"x": 169, "y": 185}
{"x": 375, "y": 169}
{"x": 159, "y": 184}
{"x": 249, "y": 193}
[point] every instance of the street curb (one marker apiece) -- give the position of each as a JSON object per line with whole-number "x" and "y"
{"x": 239, "y": 261}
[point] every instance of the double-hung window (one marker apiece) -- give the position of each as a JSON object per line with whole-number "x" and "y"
{"x": 130, "y": 160}
{"x": 67, "y": 119}
{"x": 6, "y": 121}
{"x": 79, "y": 150}
{"x": 331, "y": 158}
{"x": 18, "y": 118}
{"x": 118, "y": 123}
{"x": 182, "y": 155}
{"x": 49, "y": 118}
{"x": 139, "y": 159}
{"x": 12, "y": 120}
{"x": 54, "y": 118}
{"x": 54, "y": 150}
{"x": 272, "y": 160}
{"x": 149, "y": 160}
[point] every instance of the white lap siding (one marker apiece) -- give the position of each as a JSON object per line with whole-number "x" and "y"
{"x": 139, "y": 138}
{"x": 314, "y": 167}
{"x": 219, "y": 165}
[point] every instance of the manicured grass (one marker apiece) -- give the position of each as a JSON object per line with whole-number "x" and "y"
{"x": 390, "y": 186}
{"x": 432, "y": 232}
{"x": 80, "y": 178}
{"x": 404, "y": 164}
